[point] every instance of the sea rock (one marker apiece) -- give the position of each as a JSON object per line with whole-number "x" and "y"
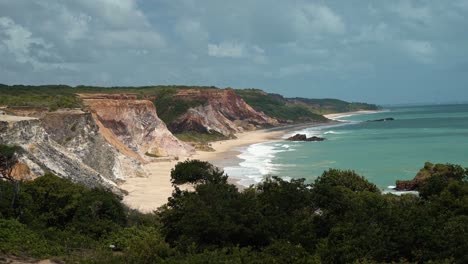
{"x": 424, "y": 174}
{"x": 222, "y": 111}
{"x": 382, "y": 120}
{"x": 302, "y": 137}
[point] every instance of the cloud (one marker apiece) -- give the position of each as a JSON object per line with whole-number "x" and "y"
{"x": 26, "y": 49}
{"x": 333, "y": 44}
{"x": 406, "y": 9}
{"x": 372, "y": 33}
{"x": 315, "y": 19}
{"x": 227, "y": 50}
{"x": 423, "y": 51}
{"x": 191, "y": 31}
{"x": 238, "y": 50}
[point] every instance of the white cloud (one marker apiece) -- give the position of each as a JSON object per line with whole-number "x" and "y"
{"x": 407, "y": 10}
{"x": 227, "y": 50}
{"x": 238, "y": 50}
{"x": 118, "y": 14}
{"x": 370, "y": 33}
{"x": 191, "y": 31}
{"x": 423, "y": 51}
{"x": 20, "y": 42}
{"x": 315, "y": 18}
{"x": 131, "y": 39}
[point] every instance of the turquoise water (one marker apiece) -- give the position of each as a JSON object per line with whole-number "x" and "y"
{"x": 381, "y": 151}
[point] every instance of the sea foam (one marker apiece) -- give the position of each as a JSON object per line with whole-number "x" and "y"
{"x": 257, "y": 162}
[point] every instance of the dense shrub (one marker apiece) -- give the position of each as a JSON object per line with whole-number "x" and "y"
{"x": 196, "y": 171}
{"x": 340, "y": 218}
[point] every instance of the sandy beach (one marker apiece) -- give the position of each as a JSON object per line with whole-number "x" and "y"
{"x": 148, "y": 194}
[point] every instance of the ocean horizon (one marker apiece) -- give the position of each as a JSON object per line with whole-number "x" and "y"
{"x": 382, "y": 152}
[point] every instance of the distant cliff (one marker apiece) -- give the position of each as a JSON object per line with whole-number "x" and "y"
{"x": 296, "y": 110}
{"x": 222, "y": 111}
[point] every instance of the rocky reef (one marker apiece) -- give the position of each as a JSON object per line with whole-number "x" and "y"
{"x": 447, "y": 171}
{"x": 223, "y": 111}
{"x": 302, "y": 137}
{"x": 382, "y": 120}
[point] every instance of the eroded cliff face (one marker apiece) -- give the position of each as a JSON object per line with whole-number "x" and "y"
{"x": 224, "y": 112}
{"x": 78, "y": 132}
{"x": 42, "y": 153}
{"x": 133, "y": 127}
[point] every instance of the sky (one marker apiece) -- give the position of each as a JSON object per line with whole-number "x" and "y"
{"x": 383, "y": 52}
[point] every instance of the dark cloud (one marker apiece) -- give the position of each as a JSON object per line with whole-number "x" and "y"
{"x": 386, "y": 51}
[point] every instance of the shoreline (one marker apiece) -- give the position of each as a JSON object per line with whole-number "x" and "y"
{"x": 345, "y": 114}
{"x": 147, "y": 194}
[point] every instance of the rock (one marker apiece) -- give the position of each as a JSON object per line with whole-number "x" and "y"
{"x": 382, "y": 120}
{"x": 44, "y": 154}
{"x": 223, "y": 111}
{"x": 425, "y": 174}
{"x": 78, "y": 132}
{"x": 133, "y": 127}
{"x": 302, "y": 137}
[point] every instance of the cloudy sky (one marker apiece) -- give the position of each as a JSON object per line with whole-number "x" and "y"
{"x": 397, "y": 51}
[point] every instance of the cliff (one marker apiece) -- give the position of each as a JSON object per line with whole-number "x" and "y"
{"x": 43, "y": 154}
{"x": 133, "y": 127}
{"x": 222, "y": 111}
{"x": 79, "y": 134}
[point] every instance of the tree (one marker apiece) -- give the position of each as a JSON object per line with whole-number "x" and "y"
{"x": 345, "y": 178}
{"x": 8, "y": 161}
{"x": 196, "y": 171}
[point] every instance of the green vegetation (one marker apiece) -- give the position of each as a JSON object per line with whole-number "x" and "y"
{"x": 199, "y": 137}
{"x": 339, "y": 218}
{"x": 169, "y": 107}
{"x": 278, "y": 107}
{"x": 56, "y": 97}
{"x": 328, "y": 106}
{"x": 298, "y": 109}
{"x": 196, "y": 171}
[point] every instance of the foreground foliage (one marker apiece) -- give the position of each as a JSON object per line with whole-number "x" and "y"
{"x": 339, "y": 218}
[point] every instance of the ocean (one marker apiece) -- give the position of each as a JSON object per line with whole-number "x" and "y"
{"x": 383, "y": 152}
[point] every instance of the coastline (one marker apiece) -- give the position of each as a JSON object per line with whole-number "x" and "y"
{"x": 149, "y": 193}
{"x": 362, "y": 112}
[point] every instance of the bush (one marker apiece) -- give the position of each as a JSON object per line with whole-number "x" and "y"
{"x": 18, "y": 239}
{"x": 196, "y": 171}
{"x": 345, "y": 178}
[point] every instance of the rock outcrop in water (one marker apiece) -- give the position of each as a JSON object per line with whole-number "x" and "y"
{"x": 447, "y": 171}
{"x": 133, "y": 127}
{"x": 382, "y": 120}
{"x": 223, "y": 112}
{"x": 302, "y": 137}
